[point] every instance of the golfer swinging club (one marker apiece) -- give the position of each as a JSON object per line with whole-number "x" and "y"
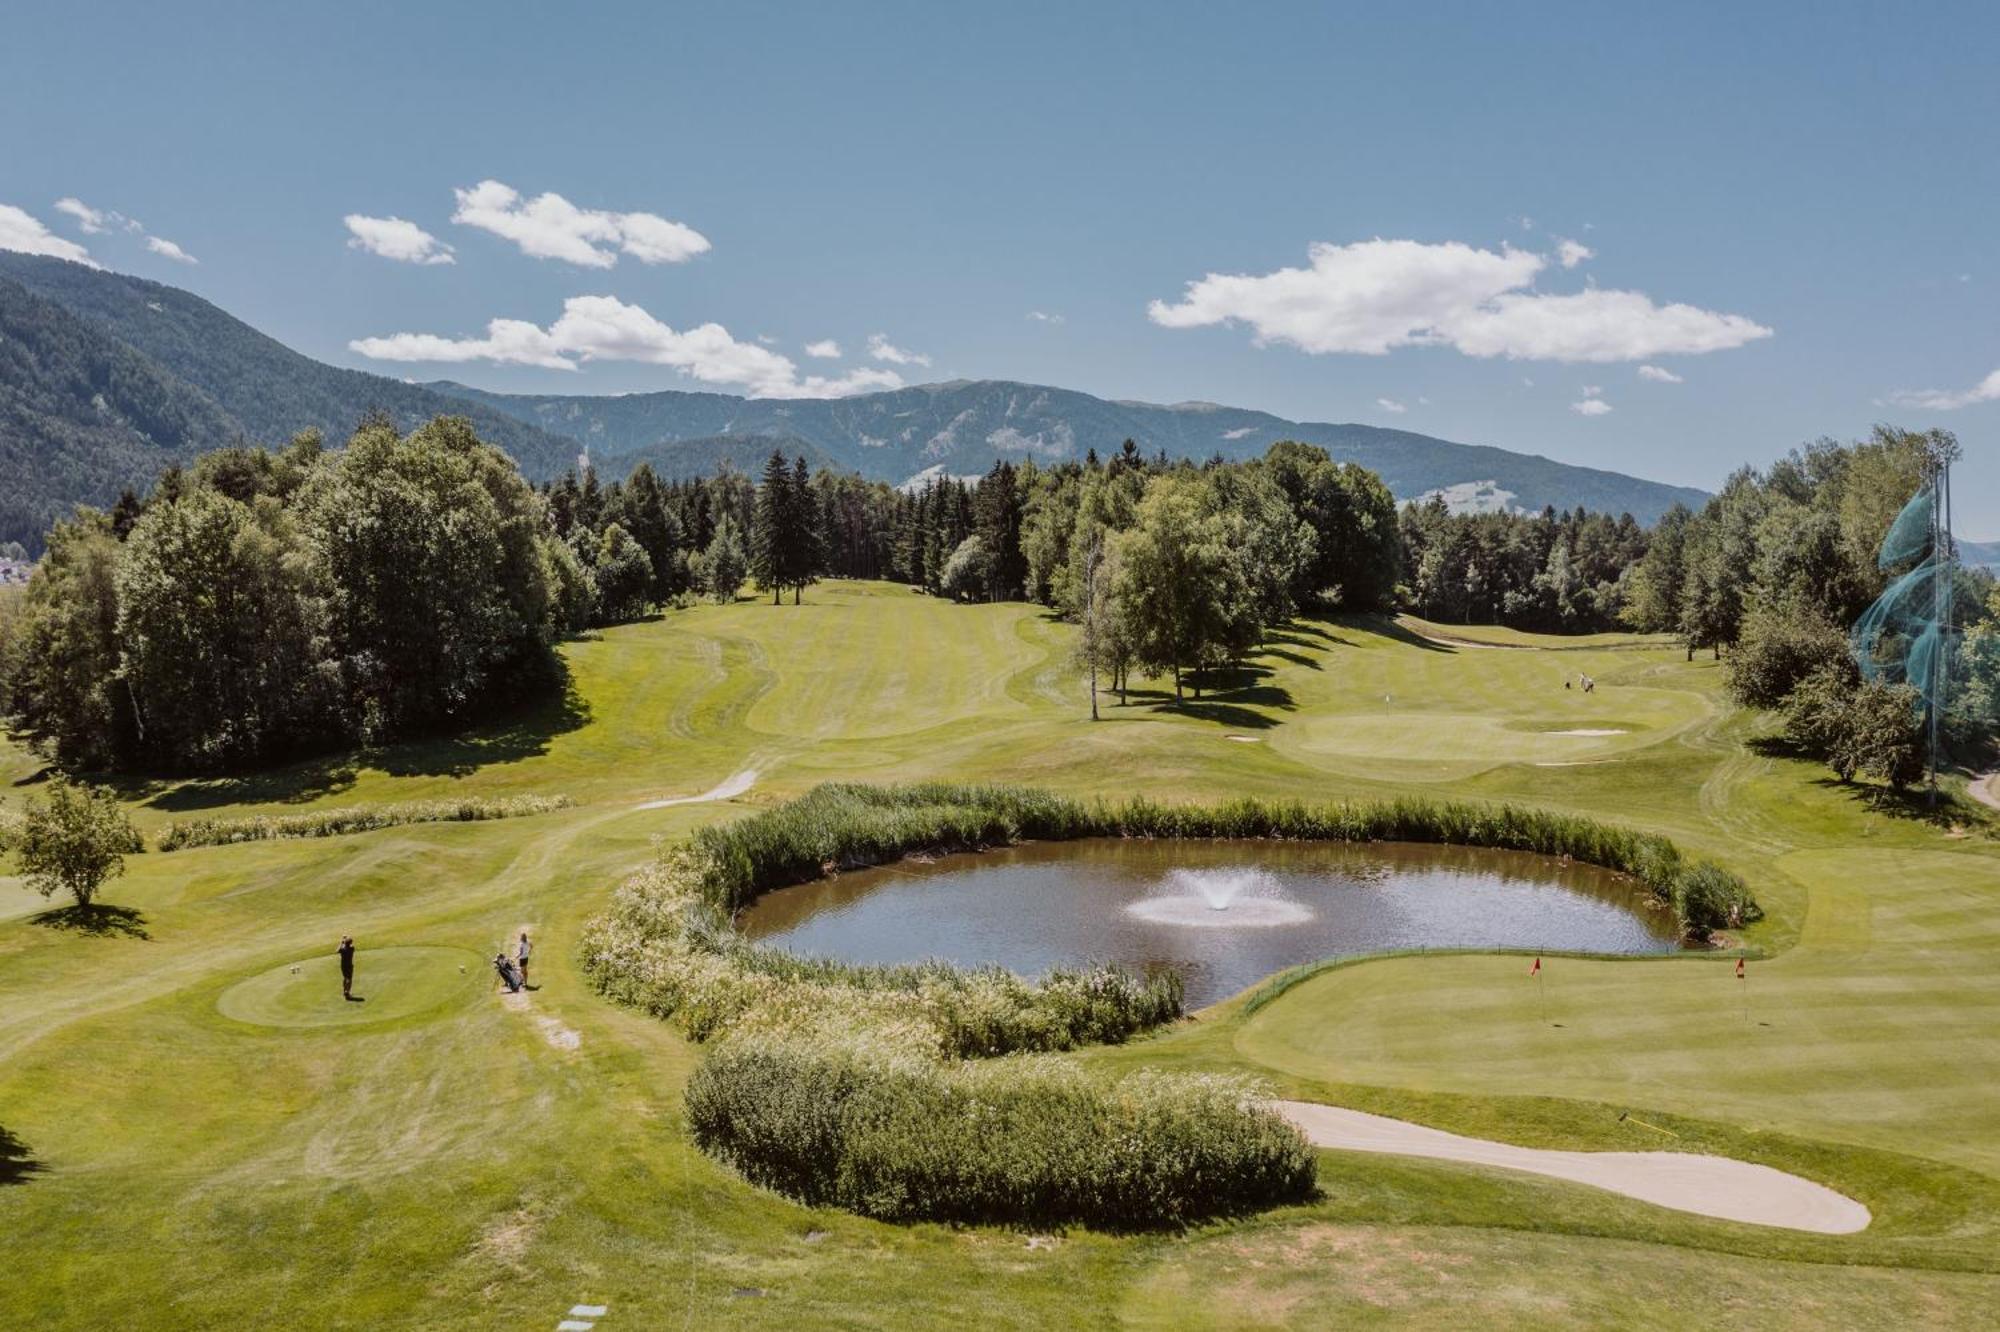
{"x": 347, "y": 966}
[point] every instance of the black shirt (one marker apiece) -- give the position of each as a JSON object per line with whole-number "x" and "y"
{"x": 347, "y": 957}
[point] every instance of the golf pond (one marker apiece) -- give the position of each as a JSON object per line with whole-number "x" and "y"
{"x": 1223, "y": 914}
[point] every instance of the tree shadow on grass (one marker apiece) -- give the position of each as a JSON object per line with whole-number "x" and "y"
{"x": 1231, "y": 696}
{"x": 1912, "y": 802}
{"x": 99, "y": 918}
{"x": 17, "y": 1163}
{"x": 524, "y": 735}
{"x": 1391, "y": 628}
{"x": 525, "y": 732}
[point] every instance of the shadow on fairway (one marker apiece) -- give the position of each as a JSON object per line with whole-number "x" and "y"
{"x": 97, "y": 918}
{"x": 525, "y": 735}
{"x": 1232, "y": 697}
{"x": 1912, "y": 802}
{"x": 17, "y": 1163}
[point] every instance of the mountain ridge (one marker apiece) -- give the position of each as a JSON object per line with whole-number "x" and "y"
{"x": 964, "y": 426}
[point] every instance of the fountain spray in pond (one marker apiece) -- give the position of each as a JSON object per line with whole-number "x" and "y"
{"x": 1219, "y": 898}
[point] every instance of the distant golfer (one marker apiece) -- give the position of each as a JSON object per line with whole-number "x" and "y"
{"x": 347, "y": 966}
{"x": 521, "y": 951}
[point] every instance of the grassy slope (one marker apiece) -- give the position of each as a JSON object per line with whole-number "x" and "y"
{"x": 451, "y": 1167}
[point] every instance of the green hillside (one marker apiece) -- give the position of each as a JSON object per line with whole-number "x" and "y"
{"x": 83, "y": 415}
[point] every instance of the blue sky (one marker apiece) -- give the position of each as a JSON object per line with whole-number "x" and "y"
{"x": 1790, "y": 209}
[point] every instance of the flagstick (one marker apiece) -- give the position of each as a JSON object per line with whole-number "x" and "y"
{"x": 1542, "y": 990}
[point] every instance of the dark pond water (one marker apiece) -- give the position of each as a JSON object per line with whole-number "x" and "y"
{"x": 1224, "y": 914}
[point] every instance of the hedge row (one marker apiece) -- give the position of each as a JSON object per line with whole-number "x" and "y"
{"x": 357, "y": 818}
{"x": 1012, "y": 1142}
{"x": 846, "y": 826}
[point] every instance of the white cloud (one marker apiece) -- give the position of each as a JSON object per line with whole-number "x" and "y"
{"x": 24, "y": 233}
{"x": 1944, "y": 400}
{"x": 1659, "y": 375}
{"x": 826, "y": 349}
{"x": 89, "y": 220}
{"x": 1591, "y": 407}
{"x": 394, "y": 238}
{"x": 162, "y": 246}
{"x": 1391, "y": 405}
{"x": 882, "y": 349}
{"x": 1044, "y": 317}
{"x": 1374, "y": 296}
{"x": 604, "y": 328}
{"x": 1571, "y": 253}
{"x": 549, "y": 226}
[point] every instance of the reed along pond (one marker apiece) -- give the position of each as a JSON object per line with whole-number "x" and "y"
{"x": 1223, "y": 914}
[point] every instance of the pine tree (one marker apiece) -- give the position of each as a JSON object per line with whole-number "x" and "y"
{"x": 806, "y": 548}
{"x": 771, "y": 530}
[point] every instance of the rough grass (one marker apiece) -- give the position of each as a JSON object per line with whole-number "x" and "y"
{"x": 169, "y": 1168}
{"x": 182, "y": 834}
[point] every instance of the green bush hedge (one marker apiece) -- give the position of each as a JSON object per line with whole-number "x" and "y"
{"x": 845, "y": 826}
{"x": 358, "y": 818}
{"x": 1012, "y": 1142}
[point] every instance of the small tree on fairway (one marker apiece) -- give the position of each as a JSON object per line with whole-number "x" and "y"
{"x": 1181, "y": 583}
{"x": 72, "y": 840}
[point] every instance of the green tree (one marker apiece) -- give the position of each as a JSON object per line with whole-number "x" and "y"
{"x": 968, "y": 574}
{"x": 72, "y": 840}
{"x": 1181, "y": 581}
{"x": 772, "y": 530}
{"x": 440, "y": 587}
{"x": 1781, "y": 646}
{"x": 724, "y": 565}
{"x": 623, "y": 574}
{"x": 806, "y": 550}
{"x": 62, "y": 688}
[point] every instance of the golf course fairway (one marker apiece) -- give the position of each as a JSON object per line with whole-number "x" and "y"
{"x": 192, "y": 1135}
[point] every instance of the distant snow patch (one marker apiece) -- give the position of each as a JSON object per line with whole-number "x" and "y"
{"x": 1472, "y": 497}
{"x": 1239, "y": 432}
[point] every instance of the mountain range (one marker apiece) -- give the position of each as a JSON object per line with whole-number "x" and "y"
{"x": 961, "y": 427}
{"x": 106, "y": 378}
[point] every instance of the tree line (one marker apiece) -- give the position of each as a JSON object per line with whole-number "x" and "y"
{"x": 1771, "y": 575}
{"x": 262, "y": 604}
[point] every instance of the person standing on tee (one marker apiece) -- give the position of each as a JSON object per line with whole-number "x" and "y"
{"x": 347, "y": 966}
{"x": 521, "y": 952}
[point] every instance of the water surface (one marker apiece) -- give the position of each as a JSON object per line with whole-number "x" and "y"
{"x": 1144, "y": 904}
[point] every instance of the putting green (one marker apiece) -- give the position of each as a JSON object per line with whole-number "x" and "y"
{"x": 389, "y": 983}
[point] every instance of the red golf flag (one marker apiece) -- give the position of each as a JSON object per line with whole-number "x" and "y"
{"x": 1739, "y": 968}
{"x": 1536, "y": 970}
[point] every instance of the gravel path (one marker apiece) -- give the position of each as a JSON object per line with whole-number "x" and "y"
{"x": 1709, "y": 1185}
{"x": 727, "y": 790}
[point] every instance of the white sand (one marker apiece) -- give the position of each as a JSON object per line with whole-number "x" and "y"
{"x": 727, "y": 790}
{"x": 1589, "y": 730}
{"x": 1686, "y": 1181}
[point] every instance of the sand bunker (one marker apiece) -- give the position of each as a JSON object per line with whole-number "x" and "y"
{"x": 1590, "y": 730}
{"x": 1685, "y": 1181}
{"x": 727, "y": 790}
